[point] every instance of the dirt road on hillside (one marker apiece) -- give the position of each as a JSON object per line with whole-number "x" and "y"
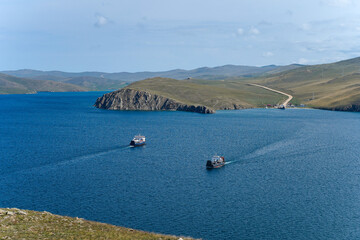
{"x": 273, "y": 90}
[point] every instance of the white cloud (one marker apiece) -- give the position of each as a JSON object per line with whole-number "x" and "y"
{"x": 305, "y": 26}
{"x": 268, "y": 54}
{"x": 251, "y": 31}
{"x": 340, "y": 3}
{"x": 303, "y": 61}
{"x": 254, "y": 31}
{"x": 100, "y": 21}
{"x": 240, "y": 31}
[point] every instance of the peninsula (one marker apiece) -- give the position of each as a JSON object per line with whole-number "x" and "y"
{"x": 201, "y": 96}
{"x": 333, "y": 86}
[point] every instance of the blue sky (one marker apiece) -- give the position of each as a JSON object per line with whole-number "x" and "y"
{"x": 156, "y": 35}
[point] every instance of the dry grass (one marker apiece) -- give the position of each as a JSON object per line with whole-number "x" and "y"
{"x": 329, "y": 86}
{"x": 24, "y": 224}
{"x": 210, "y": 93}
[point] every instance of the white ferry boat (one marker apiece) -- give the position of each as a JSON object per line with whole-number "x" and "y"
{"x": 215, "y": 162}
{"x": 137, "y": 141}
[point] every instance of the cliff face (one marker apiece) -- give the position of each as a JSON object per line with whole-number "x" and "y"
{"x": 130, "y": 99}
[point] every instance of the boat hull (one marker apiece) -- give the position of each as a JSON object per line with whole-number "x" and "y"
{"x": 215, "y": 166}
{"x": 135, "y": 144}
{"x": 215, "y": 163}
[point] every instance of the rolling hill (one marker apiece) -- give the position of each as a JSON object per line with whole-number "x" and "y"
{"x": 95, "y": 83}
{"x": 101, "y": 81}
{"x": 214, "y": 94}
{"x": 16, "y": 85}
{"x": 221, "y": 72}
{"x": 334, "y": 86}
{"x": 203, "y": 96}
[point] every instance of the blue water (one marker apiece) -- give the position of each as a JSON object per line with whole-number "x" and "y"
{"x": 292, "y": 174}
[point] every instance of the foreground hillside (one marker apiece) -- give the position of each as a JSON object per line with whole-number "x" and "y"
{"x": 334, "y": 86}
{"x": 202, "y": 96}
{"x": 12, "y": 85}
{"x": 24, "y": 224}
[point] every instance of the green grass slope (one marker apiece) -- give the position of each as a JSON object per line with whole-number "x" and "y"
{"x": 214, "y": 94}
{"x": 24, "y": 224}
{"x": 12, "y": 85}
{"x": 95, "y": 83}
{"x": 328, "y": 86}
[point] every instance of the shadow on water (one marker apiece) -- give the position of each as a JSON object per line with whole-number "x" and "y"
{"x": 137, "y": 147}
{"x": 215, "y": 170}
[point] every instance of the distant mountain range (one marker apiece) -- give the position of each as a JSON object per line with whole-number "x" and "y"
{"x": 15, "y": 85}
{"x": 27, "y": 80}
{"x": 329, "y": 86}
{"x": 222, "y": 72}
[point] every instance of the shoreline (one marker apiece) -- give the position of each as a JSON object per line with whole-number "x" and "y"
{"x": 317, "y": 108}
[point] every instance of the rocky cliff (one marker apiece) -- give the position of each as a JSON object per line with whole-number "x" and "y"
{"x": 347, "y": 108}
{"x": 130, "y": 99}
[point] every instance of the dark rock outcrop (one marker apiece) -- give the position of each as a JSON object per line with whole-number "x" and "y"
{"x": 348, "y": 108}
{"x": 130, "y": 99}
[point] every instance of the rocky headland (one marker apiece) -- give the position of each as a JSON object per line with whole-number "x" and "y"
{"x": 131, "y": 99}
{"x": 346, "y": 108}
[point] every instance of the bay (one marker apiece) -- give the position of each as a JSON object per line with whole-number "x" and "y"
{"x": 292, "y": 174}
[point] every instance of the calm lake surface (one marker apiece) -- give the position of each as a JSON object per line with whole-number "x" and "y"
{"x": 292, "y": 174}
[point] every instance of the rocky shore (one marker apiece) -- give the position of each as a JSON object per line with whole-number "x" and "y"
{"x": 349, "y": 108}
{"x": 130, "y": 99}
{"x": 346, "y": 108}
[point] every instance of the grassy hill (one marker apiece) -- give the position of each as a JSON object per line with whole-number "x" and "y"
{"x": 213, "y": 94}
{"x": 24, "y": 224}
{"x": 220, "y": 72}
{"x": 12, "y": 85}
{"x": 334, "y": 86}
{"x": 95, "y": 83}
{"x": 329, "y": 86}
{"x": 100, "y": 81}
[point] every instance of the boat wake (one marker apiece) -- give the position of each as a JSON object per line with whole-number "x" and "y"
{"x": 263, "y": 151}
{"x": 51, "y": 166}
{"x": 233, "y": 161}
